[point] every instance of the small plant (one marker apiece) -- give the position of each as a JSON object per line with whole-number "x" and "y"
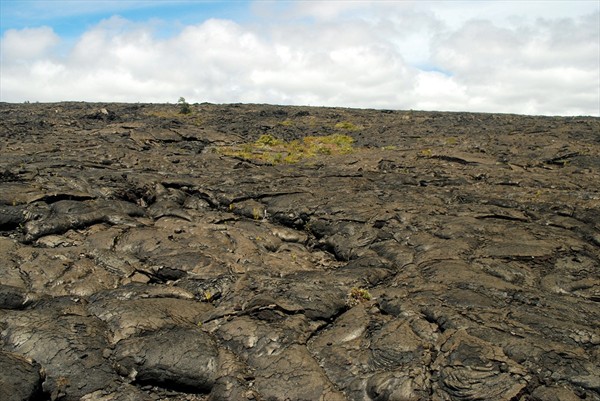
{"x": 426, "y": 153}
{"x": 336, "y": 143}
{"x": 357, "y": 295}
{"x": 346, "y": 125}
{"x": 268, "y": 140}
{"x": 184, "y": 107}
{"x": 269, "y": 149}
{"x": 170, "y": 113}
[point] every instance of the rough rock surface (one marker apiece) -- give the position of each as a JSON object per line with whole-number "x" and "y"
{"x": 449, "y": 256}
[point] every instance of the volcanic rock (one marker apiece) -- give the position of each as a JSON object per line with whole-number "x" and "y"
{"x": 239, "y": 252}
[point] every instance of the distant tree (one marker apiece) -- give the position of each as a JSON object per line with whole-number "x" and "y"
{"x": 184, "y": 107}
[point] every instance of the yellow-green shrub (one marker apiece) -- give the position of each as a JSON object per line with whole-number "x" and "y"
{"x": 269, "y": 149}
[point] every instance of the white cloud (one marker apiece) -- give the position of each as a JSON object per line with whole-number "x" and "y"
{"x": 434, "y": 89}
{"x": 418, "y": 55}
{"x": 27, "y": 44}
{"x": 549, "y": 67}
{"x": 327, "y": 10}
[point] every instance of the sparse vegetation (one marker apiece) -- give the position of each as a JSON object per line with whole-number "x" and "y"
{"x": 184, "y": 107}
{"x": 357, "y": 295}
{"x": 268, "y": 141}
{"x": 347, "y": 125}
{"x": 426, "y": 153}
{"x": 183, "y": 113}
{"x": 272, "y": 150}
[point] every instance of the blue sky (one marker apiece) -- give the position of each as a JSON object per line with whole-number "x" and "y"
{"x": 527, "y": 57}
{"x": 71, "y": 18}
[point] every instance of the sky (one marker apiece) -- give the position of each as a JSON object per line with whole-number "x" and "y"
{"x": 523, "y": 57}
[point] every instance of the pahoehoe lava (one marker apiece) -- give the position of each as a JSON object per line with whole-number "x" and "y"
{"x": 147, "y": 255}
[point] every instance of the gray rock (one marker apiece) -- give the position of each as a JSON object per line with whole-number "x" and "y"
{"x": 67, "y": 342}
{"x": 22, "y": 378}
{"x": 12, "y": 297}
{"x": 183, "y": 359}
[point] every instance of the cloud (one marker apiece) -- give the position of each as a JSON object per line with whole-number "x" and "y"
{"x": 356, "y": 54}
{"x": 550, "y": 66}
{"x": 27, "y": 44}
{"x": 328, "y": 10}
